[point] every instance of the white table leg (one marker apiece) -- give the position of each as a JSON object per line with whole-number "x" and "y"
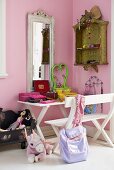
{"x": 42, "y": 113}
{"x": 40, "y": 132}
{"x": 56, "y": 130}
{"x": 39, "y": 120}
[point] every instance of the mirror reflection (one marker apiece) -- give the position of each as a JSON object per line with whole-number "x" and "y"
{"x": 40, "y": 47}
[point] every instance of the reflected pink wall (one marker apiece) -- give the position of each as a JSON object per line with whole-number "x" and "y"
{"x": 16, "y": 23}
{"x": 79, "y": 75}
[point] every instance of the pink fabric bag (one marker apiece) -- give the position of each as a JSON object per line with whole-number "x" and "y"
{"x": 73, "y": 142}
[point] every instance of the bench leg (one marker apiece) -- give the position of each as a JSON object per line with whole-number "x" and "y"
{"x": 102, "y": 131}
{"x": 56, "y": 130}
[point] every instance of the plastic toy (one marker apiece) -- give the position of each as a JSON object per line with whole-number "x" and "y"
{"x": 23, "y": 120}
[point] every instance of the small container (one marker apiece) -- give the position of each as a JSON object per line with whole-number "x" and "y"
{"x": 97, "y": 45}
{"x": 52, "y": 95}
{"x": 91, "y": 46}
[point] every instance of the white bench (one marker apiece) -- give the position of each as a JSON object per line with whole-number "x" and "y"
{"x": 89, "y": 100}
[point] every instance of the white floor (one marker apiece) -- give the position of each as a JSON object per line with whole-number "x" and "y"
{"x": 13, "y": 158}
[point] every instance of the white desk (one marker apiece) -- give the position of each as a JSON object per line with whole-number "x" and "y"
{"x": 43, "y": 111}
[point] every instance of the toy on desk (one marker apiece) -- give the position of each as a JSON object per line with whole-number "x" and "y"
{"x": 37, "y": 149}
{"x": 48, "y": 101}
{"x": 62, "y": 93}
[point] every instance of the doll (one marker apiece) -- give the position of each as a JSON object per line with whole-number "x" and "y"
{"x": 17, "y": 123}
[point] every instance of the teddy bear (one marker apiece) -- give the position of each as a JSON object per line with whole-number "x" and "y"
{"x": 37, "y": 148}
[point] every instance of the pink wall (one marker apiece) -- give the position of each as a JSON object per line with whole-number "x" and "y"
{"x": 66, "y": 13}
{"x": 17, "y": 39}
{"x": 79, "y": 75}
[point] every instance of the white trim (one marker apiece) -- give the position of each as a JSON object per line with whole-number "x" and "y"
{"x": 3, "y": 73}
{"x": 112, "y": 65}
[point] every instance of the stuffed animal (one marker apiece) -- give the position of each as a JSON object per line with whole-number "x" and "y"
{"x": 35, "y": 150}
{"x": 48, "y": 147}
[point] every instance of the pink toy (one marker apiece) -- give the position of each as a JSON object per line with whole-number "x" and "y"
{"x": 37, "y": 149}
{"x": 48, "y": 147}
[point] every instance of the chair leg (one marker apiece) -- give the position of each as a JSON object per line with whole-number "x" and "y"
{"x": 56, "y": 146}
{"x": 40, "y": 132}
{"x": 56, "y": 130}
{"x": 107, "y": 138}
{"x": 98, "y": 126}
{"x": 103, "y": 132}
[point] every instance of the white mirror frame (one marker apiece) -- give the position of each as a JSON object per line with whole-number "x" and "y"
{"x": 3, "y": 73}
{"x": 42, "y": 17}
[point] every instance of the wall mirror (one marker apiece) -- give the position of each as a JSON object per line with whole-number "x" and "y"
{"x": 40, "y": 47}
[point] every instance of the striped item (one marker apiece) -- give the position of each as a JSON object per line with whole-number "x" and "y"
{"x": 80, "y": 105}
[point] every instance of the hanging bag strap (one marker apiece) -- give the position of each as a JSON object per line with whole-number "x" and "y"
{"x": 80, "y": 105}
